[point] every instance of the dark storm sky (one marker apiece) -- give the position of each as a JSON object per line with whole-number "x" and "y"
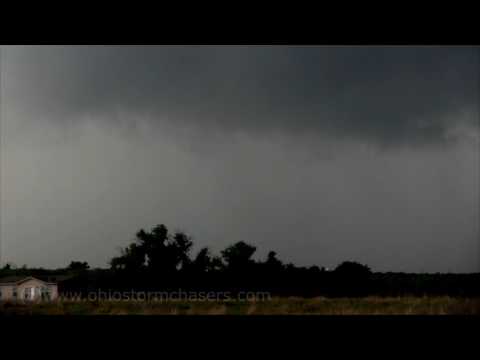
{"x": 323, "y": 154}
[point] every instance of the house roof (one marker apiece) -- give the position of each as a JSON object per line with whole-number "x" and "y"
{"x": 9, "y": 280}
{"x": 57, "y": 278}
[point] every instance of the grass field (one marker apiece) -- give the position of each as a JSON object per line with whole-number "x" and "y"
{"x": 275, "y": 306}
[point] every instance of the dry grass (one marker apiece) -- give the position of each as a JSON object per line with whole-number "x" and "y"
{"x": 275, "y": 306}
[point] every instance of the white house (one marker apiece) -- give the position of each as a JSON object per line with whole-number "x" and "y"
{"x": 27, "y": 289}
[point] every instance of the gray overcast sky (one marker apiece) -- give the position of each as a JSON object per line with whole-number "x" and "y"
{"x": 322, "y": 154}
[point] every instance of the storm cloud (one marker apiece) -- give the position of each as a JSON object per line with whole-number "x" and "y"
{"x": 321, "y": 153}
{"x": 381, "y": 94}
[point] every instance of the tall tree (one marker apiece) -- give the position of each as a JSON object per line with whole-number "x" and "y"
{"x": 239, "y": 256}
{"x": 78, "y": 266}
{"x": 157, "y": 251}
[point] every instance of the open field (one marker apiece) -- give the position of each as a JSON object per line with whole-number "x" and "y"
{"x": 275, "y": 306}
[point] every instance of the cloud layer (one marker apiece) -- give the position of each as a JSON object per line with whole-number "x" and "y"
{"x": 321, "y": 153}
{"x": 386, "y": 95}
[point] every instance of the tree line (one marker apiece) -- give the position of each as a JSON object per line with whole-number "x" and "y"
{"x": 161, "y": 260}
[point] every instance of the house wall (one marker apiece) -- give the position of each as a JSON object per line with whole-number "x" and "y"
{"x": 36, "y": 284}
{"x": 7, "y": 290}
{"x": 54, "y": 291}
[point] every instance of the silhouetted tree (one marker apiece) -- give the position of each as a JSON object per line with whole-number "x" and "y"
{"x": 7, "y": 267}
{"x": 132, "y": 259}
{"x": 78, "y": 266}
{"x": 353, "y": 269}
{"x": 156, "y": 251}
{"x": 272, "y": 264}
{"x": 204, "y": 262}
{"x": 180, "y": 246}
{"x": 352, "y": 279}
{"x": 238, "y": 256}
{"x": 163, "y": 261}
{"x": 154, "y": 245}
